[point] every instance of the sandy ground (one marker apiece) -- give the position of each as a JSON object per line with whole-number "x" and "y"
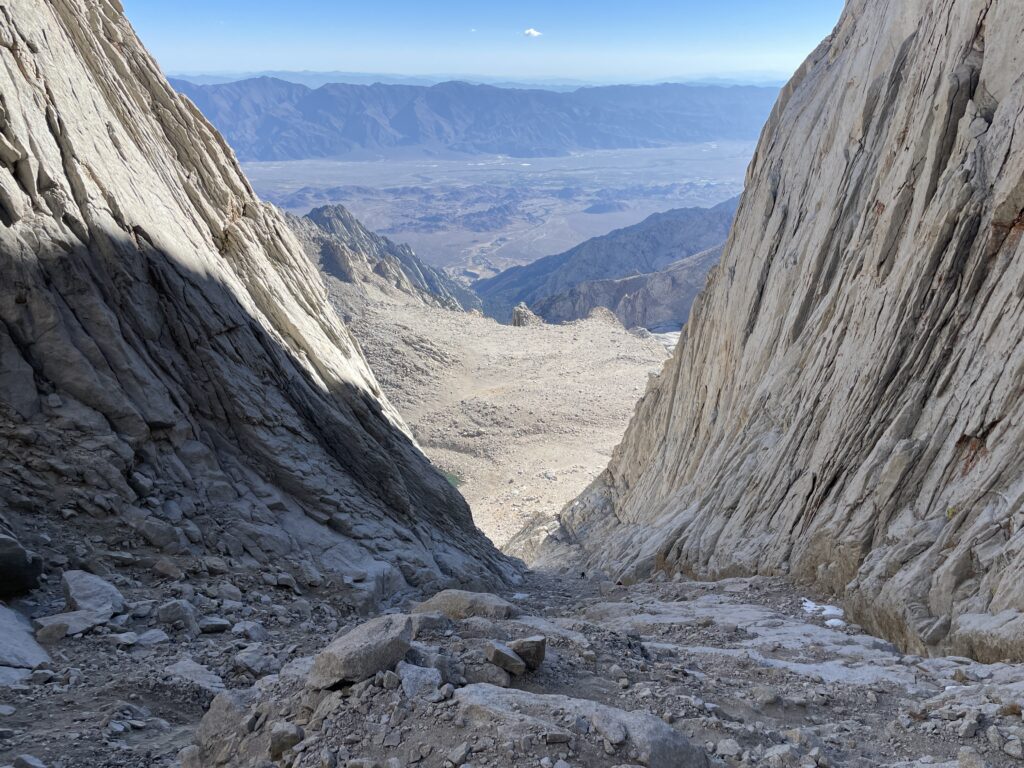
{"x": 521, "y": 419}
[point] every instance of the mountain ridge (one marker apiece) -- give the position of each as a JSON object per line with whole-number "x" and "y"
{"x": 647, "y": 247}
{"x": 270, "y": 119}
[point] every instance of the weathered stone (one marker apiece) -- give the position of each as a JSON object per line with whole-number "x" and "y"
{"x": 17, "y": 646}
{"x": 75, "y": 622}
{"x": 418, "y": 681}
{"x": 531, "y": 650}
{"x": 197, "y": 674}
{"x": 87, "y": 592}
{"x": 658, "y": 745}
{"x": 213, "y": 624}
{"x": 459, "y": 604}
{"x": 284, "y": 736}
{"x": 179, "y": 611}
{"x": 502, "y": 656}
{"x": 360, "y": 653}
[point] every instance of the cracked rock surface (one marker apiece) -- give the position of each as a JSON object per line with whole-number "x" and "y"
{"x": 845, "y": 405}
{"x": 172, "y": 372}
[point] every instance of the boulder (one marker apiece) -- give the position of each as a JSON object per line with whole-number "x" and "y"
{"x": 418, "y": 681}
{"x": 362, "y": 652}
{"x": 75, "y": 622}
{"x": 18, "y": 648}
{"x": 656, "y": 744}
{"x": 192, "y": 672}
{"x": 84, "y": 591}
{"x": 459, "y": 604}
{"x": 174, "y": 611}
{"x": 502, "y": 656}
{"x": 531, "y": 650}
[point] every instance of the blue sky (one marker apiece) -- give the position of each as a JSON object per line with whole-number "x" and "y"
{"x": 585, "y": 39}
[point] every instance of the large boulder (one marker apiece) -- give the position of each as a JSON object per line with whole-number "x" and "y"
{"x": 85, "y": 591}
{"x": 359, "y": 654}
{"x": 656, "y": 743}
{"x": 459, "y": 604}
{"x": 18, "y": 649}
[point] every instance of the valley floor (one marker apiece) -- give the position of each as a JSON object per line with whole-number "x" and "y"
{"x": 521, "y": 419}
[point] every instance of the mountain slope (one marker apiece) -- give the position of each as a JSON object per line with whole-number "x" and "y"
{"x": 649, "y": 246}
{"x": 344, "y": 249}
{"x": 845, "y": 405}
{"x": 167, "y": 346}
{"x": 658, "y": 301}
{"x": 269, "y": 119}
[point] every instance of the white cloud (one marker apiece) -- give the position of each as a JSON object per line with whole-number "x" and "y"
{"x": 531, "y": 32}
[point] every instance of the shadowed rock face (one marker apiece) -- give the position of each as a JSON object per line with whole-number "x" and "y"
{"x": 167, "y": 346}
{"x": 845, "y": 405}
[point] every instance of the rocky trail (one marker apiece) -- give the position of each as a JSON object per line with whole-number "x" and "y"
{"x": 662, "y": 673}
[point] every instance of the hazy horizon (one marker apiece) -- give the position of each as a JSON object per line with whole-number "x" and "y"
{"x": 598, "y": 42}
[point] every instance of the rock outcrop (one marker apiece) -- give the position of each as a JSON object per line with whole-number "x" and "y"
{"x": 658, "y": 301}
{"x": 170, "y": 364}
{"x": 845, "y": 405}
{"x": 650, "y": 246}
{"x": 372, "y": 265}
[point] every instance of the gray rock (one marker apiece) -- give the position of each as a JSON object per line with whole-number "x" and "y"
{"x": 459, "y": 604}
{"x": 251, "y": 630}
{"x": 197, "y": 674}
{"x": 502, "y": 656}
{"x": 257, "y": 660}
{"x": 152, "y": 637}
{"x": 18, "y": 648}
{"x": 75, "y": 622}
{"x": 209, "y": 625}
{"x": 28, "y": 761}
{"x": 531, "y": 650}
{"x": 360, "y": 653}
{"x": 85, "y": 591}
{"x": 418, "y": 682}
{"x": 728, "y": 748}
{"x": 179, "y": 611}
{"x": 657, "y": 744}
{"x": 284, "y": 736}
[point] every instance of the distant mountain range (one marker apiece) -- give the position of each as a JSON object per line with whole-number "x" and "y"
{"x": 658, "y": 301}
{"x": 270, "y": 119}
{"x": 647, "y": 274}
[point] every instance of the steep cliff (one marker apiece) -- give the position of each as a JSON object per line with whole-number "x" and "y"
{"x": 367, "y": 262}
{"x": 846, "y": 403}
{"x": 170, "y": 362}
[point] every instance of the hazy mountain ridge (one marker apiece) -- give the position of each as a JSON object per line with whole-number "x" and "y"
{"x": 644, "y": 248}
{"x": 270, "y": 119}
